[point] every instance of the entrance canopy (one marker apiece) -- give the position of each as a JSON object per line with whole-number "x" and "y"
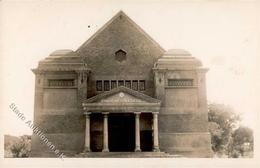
{"x": 122, "y": 100}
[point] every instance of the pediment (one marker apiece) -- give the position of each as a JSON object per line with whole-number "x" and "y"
{"x": 122, "y": 95}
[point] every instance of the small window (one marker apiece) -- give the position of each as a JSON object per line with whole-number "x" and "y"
{"x": 120, "y": 55}
{"x": 128, "y": 84}
{"x": 99, "y": 86}
{"x": 180, "y": 82}
{"x": 106, "y": 85}
{"x": 120, "y": 83}
{"x": 113, "y": 84}
{"x": 135, "y": 85}
{"x": 61, "y": 82}
{"x": 141, "y": 85}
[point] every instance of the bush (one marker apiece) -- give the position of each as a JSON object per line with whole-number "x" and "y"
{"x": 227, "y": 137}
{"x": 22, "y": 147}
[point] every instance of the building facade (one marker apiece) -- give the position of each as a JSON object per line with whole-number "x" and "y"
{"x": 121, "y": 91}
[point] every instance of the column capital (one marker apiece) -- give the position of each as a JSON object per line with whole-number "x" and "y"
{"x": 105, "y": 113}
{"x": 137, "y": 113}
{"x": 155, "y": 112}
{"x": 87, "y": 113}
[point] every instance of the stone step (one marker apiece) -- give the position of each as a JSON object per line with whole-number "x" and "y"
{"x": 126, "y": 155}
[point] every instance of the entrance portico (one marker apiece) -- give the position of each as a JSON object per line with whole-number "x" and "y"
{"x": 124, "y": 121}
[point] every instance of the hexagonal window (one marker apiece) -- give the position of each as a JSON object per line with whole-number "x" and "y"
{"x": 120, "y": 55}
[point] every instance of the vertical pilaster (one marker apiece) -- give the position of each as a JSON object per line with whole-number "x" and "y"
{"x": 38, "y": 105}
{"x": 38, "y": 96}
{"x": 159, "y": 81}
{"x": 155, "y": 132}
{"x": 87, "y": 133}
{"x": 202, "y": 96}
{"x": 82, "y": 85}
{"x": 137, "y": 132}
{"x": 105, "y": 132}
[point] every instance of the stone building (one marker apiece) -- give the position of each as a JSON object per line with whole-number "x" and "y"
{"x": 121, "y": 91}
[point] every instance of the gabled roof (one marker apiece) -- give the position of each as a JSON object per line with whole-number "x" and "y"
{"x": 122, "y": 89}
{"x": 120, "y": 14}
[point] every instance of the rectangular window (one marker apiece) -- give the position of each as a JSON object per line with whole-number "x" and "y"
{"x": 113, "y": 84}
{"x": 99, "y": 85}
{"x": 61, "y": 82}
{"x": 106, "y": 85}
{"x": 120, "y": 83}
{"x": 135, "y": 85}
{"x": 128, "y": 84}
{"x": 180, "y": 82}
{"x": 141, "y": 85}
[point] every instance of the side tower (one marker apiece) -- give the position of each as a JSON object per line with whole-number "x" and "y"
{"x": 183, "y": 121}
{"x": 60, "y": 87}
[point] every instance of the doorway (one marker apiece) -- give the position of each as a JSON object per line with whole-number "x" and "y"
{"x": 121, "y": 136}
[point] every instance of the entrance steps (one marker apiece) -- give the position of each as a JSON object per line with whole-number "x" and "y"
{"x": 125, "y": 155}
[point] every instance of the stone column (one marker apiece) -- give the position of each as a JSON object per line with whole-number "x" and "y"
{"x": 87, "y": 133}
{"x": 105, "y": 132}
{"x": 155, "y": 132}
{"x": 137, "y": 132}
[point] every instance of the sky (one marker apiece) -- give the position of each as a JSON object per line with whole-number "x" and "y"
{"x": 224, "y": 35}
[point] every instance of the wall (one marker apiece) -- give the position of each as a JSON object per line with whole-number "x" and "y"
{"x": 58, "y": 115}
{"x": 183, "y": 119}
{"x": 141, "y": 55}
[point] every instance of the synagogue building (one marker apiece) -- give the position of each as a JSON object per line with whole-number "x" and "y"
{"x": 120, "y": 91}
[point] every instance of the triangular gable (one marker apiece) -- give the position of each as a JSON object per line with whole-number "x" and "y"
{"x": 119, "y": 14}
{"x": 122, "y": 95}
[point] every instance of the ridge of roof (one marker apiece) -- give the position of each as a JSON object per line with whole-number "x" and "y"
{"x": 120, "y": 13}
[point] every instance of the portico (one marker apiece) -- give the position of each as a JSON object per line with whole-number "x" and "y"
{"x": 127, "y": 117}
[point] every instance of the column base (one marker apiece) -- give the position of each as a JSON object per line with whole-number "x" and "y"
{"x": 137, "y": 150}
{"x": 156, "y": 149}
{"x": 87, "y": 149}
{"x": 105, "y": 150}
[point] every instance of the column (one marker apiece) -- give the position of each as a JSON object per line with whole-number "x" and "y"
{"x": 105, "y": 132}
{"x": 137, "y": 132}
{"x": 155, "y": 132}
{"x": 87, "y": 133}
